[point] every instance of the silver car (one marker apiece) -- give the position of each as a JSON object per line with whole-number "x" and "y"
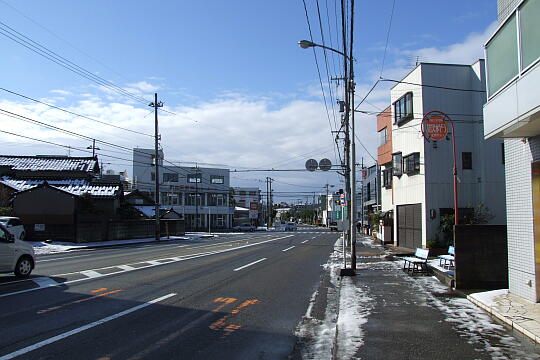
{"x": 15, "y": 255}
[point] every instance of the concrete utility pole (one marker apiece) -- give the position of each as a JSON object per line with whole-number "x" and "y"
{"x": 156, "y": 105}
{"x": 353, "y": 148}
{"x": 93, "y": 147}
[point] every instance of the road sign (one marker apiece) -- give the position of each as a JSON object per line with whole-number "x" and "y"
{"x": 325, "y": 164}
{"x": 312, "y": 165}
{"x": 435, "y": 126}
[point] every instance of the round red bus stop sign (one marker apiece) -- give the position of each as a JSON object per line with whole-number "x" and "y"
{"x": 435, "y": 126}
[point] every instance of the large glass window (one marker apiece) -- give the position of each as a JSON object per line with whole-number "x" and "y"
{"x": 387, "y": 178}
{"x": 529, "y": 15}
{"x": 502, "y": 56}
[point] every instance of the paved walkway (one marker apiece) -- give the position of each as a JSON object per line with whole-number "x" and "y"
{"x": 384, "y": 313}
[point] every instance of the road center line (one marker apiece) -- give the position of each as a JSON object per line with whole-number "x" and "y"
{"x": 305, "y": 241}
{"x": 289, "y": 248}
{"x": 82, "y": 328}
{"x": 253, "y": 263}
{"x": 91, "y": 273}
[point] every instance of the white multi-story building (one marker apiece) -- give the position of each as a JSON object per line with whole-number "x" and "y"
{"x": 200, "y": 194}
{"x": 249, "y": 198}
{"x": 512, "y": 112}
{"x": 422, "y": 179}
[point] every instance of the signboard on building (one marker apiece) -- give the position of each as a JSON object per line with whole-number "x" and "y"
{"x": 435, "y": 126}
{"x": 253, "y": 205}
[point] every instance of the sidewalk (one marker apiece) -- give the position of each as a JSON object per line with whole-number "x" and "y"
{"x": 382, "y": 312}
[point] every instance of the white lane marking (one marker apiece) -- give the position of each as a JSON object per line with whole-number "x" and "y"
{"x": 154, "y": 262}
{"x": 187, "y": 257}
{"x": 289, "y": 248}
{"x": 83, "y": 328}
{"x": 305, "y": 241}
{"x": 247, "y": 265}
{"x": 91, "y": 273}
{"x": 39, "y": 260}
{"x": 126, "y": 267}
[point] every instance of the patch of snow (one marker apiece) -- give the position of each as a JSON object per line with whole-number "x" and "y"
{"x": 43, "y": 248}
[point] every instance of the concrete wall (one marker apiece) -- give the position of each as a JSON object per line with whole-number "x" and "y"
{"x": 481, "y": 257}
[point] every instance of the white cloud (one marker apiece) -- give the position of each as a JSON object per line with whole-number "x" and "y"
{"x": 61, "y": 92}
{"x": 143, "y": 86}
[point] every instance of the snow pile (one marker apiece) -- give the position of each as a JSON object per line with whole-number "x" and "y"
{"x": 339, "y": 335}
{"x": 43, "y": 248}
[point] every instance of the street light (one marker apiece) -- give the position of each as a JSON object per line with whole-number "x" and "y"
{"x": 351, "y": 161}
{"x": 304, "y": 44}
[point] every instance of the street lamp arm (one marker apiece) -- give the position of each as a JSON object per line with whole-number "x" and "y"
{"x": 304, "y": 44}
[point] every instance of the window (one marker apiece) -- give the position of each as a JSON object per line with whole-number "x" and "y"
{"x": 217, "y": 200}
{"x": 397, "y": 164}
{"x": 502, "y": 153}
{"x": 502, "y": 56}
{"x": 170, "y": 177}
{"x": 403, "y": 109}
{"x": 529, "y": 13}
{"x": 466, "y": 160}
{"x": 252, "y": 193}
{"x": 242, "y": 193}
{"x": 215, "y": 179}
{"x": 170, "y": 199}
{"x": 387, "y": 178}
{"x": 153, "y": 176}
{"x": 411, "y": 163}
{"x": 383, "y": 136}
{"x": 194, "y": 178}
{"x": 367, "y": 195}
{"x": 194, "y": 200}
{"x": 220, "y": 220}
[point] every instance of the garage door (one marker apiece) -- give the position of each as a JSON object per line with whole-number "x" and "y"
{"x": 409, "y": 231}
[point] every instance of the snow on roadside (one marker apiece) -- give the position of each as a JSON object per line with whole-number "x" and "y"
{"x": 339, "y": 334}
{"x": 43, "y": 248}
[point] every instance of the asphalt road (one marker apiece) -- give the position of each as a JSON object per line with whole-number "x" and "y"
{"x": 235, "y": 296}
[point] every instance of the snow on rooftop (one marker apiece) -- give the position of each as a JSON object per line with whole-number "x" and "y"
{"x": 48, "y": 163}
{"x": 73, "y": 186}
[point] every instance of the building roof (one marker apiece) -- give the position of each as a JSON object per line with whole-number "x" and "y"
{"x": 73, "y": 186}
{"x": 50, "y": 163}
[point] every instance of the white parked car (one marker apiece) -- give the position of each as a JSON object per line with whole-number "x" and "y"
{"x": 14, "y": 226}
{"x": 15, "y": 256}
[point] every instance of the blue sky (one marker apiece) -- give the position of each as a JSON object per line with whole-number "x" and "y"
{"x": 246, "y": 95}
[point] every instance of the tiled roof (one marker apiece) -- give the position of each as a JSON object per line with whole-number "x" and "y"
{"x": 49, "y": 163}
{"x": 73, "y": 186}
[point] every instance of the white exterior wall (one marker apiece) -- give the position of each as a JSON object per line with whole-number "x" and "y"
{"x": 408, "y": 139}
{"x": 386, "y": 196}
{"x": 521, "y": 261}
{"x": 433, "y": 186}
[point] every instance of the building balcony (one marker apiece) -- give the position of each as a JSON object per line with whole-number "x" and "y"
{"x": 513, "y": 75}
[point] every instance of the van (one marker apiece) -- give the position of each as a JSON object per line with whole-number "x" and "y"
{"x": 15, "y": 255}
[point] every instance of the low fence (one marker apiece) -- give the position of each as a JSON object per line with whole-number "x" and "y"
{"x": 83, "y": 232}
{"x": 481, "y": 257}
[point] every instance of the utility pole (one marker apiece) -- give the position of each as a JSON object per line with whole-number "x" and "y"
{"x": 156, "y": 105}
{"x": 267, "y": 205}
{"x": 353, "y": 147}
{"x": 94, "y": 148}
{"x": 271, "y": 199}
{"x": 197, "y": 197}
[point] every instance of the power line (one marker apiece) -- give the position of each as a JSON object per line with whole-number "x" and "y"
{"x": 387, "y": 37}
{"x": 432, "y": 86}
{"x": 73, "y": 113}
{"x": 43, "y": 51}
